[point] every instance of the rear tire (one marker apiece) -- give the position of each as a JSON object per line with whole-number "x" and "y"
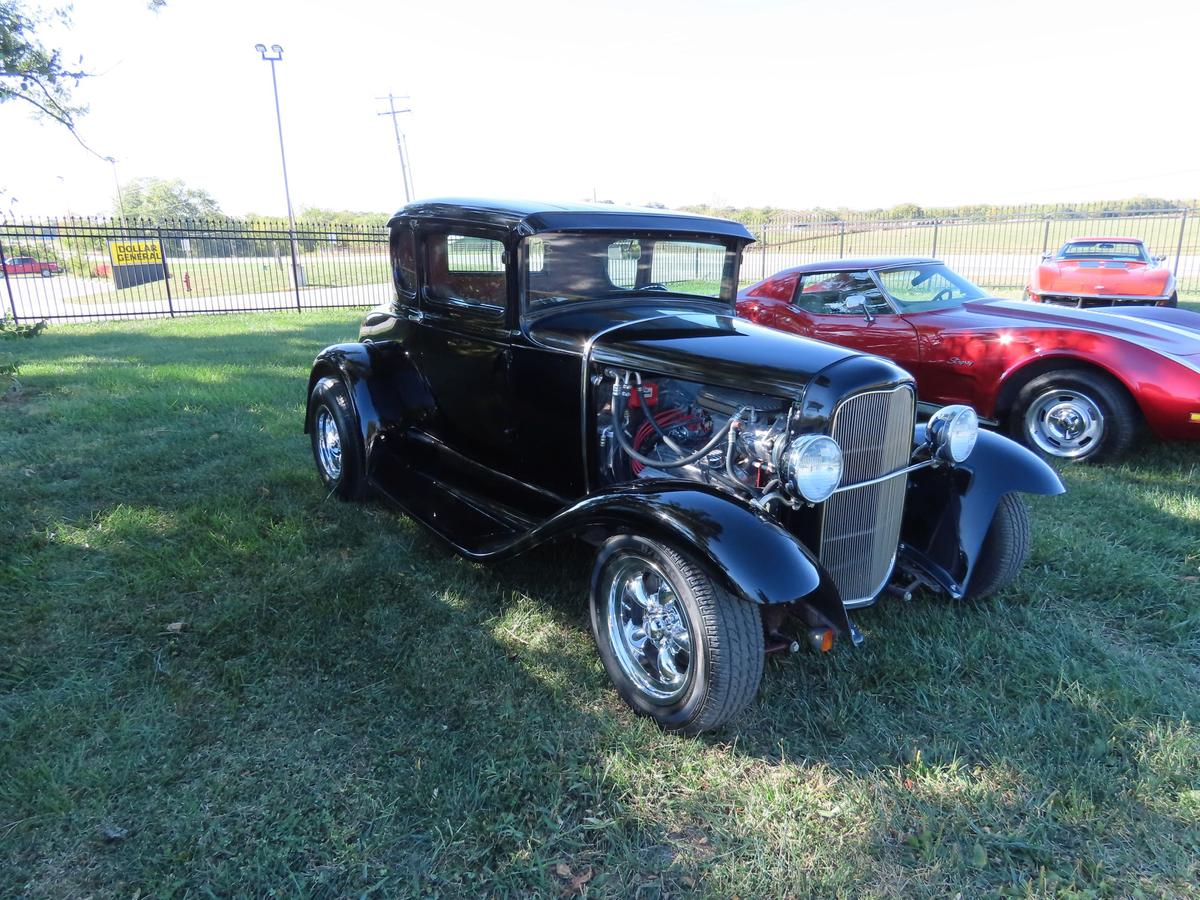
{"x": 676, "y": 645}
{"x": 336, "y": 440}
{"x": 1005, "y": 548}
{"x": 1075, "y": 416}
{"x": 46, "y": 273}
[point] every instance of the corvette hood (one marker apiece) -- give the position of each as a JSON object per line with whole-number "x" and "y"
{"x": 1175, "y": 332}
{"x": 1100, "y": 277}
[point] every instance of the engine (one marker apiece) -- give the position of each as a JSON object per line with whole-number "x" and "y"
{"x": 651, "y": 427}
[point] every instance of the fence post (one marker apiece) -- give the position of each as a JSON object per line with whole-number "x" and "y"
{"x": 1179, "y": 244}
{"x": 842, "y": 240}
{"x": 1046, "y": 236}
{"x": 8, "y": 285}
{"x": 933, "y": 252}
{"x": 162, "y": 251}
{"x": 763, "y": 256}
{"x": 295, "y": 266}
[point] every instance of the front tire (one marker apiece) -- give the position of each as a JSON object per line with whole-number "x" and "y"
{"x": 1005, "y": 548}
{"x": 46, "y": 273}
{"x": 336, "y": 440}
{"x": 676, "y": 645}
{"x": 1075, "y": 416}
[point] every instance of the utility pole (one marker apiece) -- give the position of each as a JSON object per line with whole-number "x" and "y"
{"x": 274, "y": 56}
{"x": 401, "y": 142}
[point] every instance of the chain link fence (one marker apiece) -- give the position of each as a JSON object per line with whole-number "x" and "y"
{"x": 74, "y": 269}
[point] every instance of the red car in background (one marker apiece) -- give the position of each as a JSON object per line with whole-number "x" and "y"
{"x": 1071, "y": 383}
{"x": 1102, "y": 271}
{"x": 28, "y": 265}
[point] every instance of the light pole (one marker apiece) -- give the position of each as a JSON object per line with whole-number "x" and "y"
{"x": 273, "y": 56}
{"x": 117, "y": 182}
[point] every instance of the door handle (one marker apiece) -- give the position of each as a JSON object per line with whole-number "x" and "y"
{"x": 414, "y": 315}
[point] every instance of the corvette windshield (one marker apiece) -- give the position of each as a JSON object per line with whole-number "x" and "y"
{"x": 927, "y": 286}
{"x": 1104, "y": 250}
{"x": 564, "y": 267}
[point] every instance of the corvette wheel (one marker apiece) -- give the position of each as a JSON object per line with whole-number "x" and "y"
{"x": 1075, "y": 416}
{"x": 336, "y": 442}
{"x": 677, "y": 647}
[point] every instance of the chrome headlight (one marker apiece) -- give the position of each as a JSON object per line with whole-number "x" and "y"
{"x": 814, "y": 466}
{"x": 952, "y": 432}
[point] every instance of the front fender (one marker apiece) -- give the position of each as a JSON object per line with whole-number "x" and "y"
{"x": 949, "y": 509}
{"x": 747, "y": 551}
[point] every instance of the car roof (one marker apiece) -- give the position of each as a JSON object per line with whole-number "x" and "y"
{"x": 1107, "y": 240}
{"x": 531, "y": 217}
{"x": 851, "y": 265}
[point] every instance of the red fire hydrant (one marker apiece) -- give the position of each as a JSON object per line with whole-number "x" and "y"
{"x": 187, "y": 281}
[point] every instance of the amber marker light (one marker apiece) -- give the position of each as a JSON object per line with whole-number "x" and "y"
{"x": 1195, "y": 417}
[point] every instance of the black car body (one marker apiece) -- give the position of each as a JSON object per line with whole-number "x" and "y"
{"x": 549, "y": 371}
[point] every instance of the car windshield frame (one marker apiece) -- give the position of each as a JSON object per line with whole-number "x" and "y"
{"x": 970, "y": 290}
{"x": 1143, "y": 253}
{"x": 638, "y": 256}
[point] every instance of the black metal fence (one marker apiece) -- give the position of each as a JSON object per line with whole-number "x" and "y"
{"x": 230, "y": 266}
{"x": 997, "y": 248}
{"x": 71, "y": 269}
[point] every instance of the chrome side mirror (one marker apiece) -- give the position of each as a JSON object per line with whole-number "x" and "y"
{"x": 1160, "y": 259}
{"x": 1047, "y": 256}
{"x": 859, "y": 302}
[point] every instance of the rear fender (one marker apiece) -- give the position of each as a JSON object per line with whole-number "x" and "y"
{"x": 949, "y": 509}
{"x": 748, "y": 552}
{"x": 385, "y": 389}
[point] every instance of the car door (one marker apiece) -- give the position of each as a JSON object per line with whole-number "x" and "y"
{"x": 848, "y": 308}
{"x": 458, "y": 339}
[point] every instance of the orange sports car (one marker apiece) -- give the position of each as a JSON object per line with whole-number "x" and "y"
{"x": 1102, "y": 271}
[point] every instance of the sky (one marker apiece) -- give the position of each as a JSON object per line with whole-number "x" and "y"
{"x": 857, "y": 103}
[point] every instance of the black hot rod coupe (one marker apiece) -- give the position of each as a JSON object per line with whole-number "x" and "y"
{"x": 546, "y": 371}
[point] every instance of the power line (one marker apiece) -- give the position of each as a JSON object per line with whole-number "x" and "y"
{"x": 401, "y": 142}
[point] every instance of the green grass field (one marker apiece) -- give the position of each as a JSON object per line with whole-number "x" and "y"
{"x": 216, "y": 681}
{"x": 231, "y": 277}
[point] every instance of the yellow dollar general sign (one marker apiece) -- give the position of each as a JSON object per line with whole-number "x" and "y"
{"x": 130, "y": 253}
{"x": 136, "y": 262}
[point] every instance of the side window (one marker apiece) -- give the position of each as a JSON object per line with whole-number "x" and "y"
{"x": 404, "y": 262}
{"x": 839, "y": 294}
{"x": 466, "y": 268}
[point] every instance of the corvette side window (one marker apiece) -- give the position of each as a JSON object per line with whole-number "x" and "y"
{"x": 839, "y": 294}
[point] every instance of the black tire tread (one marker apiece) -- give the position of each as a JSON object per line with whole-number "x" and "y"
{"x": 1005, "y": 548}
{"x": 734, "y": 632}
{"x": 332, "y": 391}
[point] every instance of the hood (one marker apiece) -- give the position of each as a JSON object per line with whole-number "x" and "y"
{"x": 1100, "y": 277}
{"x": 717, "y": 348}
{"x": 1175, "y": 332}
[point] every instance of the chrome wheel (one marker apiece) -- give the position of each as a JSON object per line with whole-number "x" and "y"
{"x": 329, "y": 445}
{"x": 648, "y": 628}
{"x": 1066, "y": 423}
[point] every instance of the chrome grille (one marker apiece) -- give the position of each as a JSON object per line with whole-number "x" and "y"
{"x": 860, "y": 528}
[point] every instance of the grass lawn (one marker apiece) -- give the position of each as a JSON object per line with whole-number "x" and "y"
{"x": 349, "y": 709}
{"x": 231, "y": 277}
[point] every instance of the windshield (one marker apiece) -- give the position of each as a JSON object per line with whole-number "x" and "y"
{"x": 563, "y": 267}
{"x": 927, "y": 286}
{"x": 1130, "y": 250}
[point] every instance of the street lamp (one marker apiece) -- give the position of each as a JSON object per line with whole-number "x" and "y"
{"x": 117, "y": 182}
{"x": 273, "y": 56}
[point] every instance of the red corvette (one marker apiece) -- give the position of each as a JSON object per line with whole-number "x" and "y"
{"x": 1074, "y": 384}
{"x": 1100, "y": 271}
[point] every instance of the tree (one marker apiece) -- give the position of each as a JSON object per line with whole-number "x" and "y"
{"x": 31, "y": 73}
{"x": 160, "y": 200}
